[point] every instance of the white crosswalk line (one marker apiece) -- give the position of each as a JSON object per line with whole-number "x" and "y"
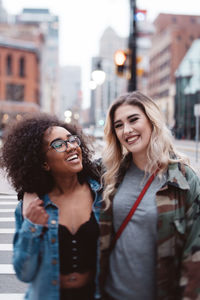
{"x": 7, "y": 230}
{"x": 8, "y": 203}
{"x": 7, "y": 219}
{"x": 6, "y": 247}
{"x": 8, "y": 195}
{"x": 11, "y": 296}
{"x": 10, "y": 198}
{"x": 6, "y": 269}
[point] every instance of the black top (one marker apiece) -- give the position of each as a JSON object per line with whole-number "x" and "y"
{"x": 78, "y": 251}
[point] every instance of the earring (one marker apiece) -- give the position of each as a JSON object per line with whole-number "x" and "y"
{"x": 46, "y": 166}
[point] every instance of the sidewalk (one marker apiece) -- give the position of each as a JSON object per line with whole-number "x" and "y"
{"x": 189, "y": 148}
{"x": 187, "y": 145}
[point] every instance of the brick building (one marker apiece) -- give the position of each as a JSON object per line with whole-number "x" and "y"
{"x": 187, "y": 93}
{"x": 19, "y": 79}
{"x": 173, "y": 37}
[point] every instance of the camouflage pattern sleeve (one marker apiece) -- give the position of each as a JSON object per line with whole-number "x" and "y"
{"x": 190, "y": 268}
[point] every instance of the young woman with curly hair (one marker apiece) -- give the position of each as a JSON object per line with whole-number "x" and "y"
{"x": 55, "y": 244}
{"x": 157, "y": 255}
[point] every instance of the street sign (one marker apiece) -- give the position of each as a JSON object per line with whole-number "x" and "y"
{"x": 197, "y": 110}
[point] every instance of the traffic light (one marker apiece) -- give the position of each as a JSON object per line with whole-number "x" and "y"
{"x": 120, "y": 59}
{"x": 140, "y": 68}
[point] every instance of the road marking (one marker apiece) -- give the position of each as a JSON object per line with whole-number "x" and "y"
{"x": 6, "y": 269}
{"x": 7, "y": 230}
{"x": 7, "y": 209}
{"x": 8, "y": 195}
{"x": 8, "y": 202}
{"x": 12, "y": 296}
{"x": 8, "y": 219}
{"x": 6, "y": 247}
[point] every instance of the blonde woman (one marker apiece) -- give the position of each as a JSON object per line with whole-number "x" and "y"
{"x": 157, "y": 256}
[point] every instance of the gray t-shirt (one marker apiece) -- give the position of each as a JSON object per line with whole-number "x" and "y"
{"x": 133, "y": 260}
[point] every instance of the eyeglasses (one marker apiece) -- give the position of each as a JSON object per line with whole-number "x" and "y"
{"x": 61, "y": 146}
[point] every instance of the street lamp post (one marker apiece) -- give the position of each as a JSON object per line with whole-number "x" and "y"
{"x": 98, "y": 77}
{"x": 132, "y": 84}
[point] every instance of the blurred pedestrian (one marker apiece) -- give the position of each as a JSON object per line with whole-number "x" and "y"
{"x": 55, "y": 243}
{"x": 152, "y": 252}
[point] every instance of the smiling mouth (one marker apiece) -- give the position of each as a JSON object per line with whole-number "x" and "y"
{"x": 132, "y": 139}
{"x": 73, "y": 157}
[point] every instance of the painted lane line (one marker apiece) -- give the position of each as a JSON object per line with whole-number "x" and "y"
{"x": 6, "y": 269}
{"x": 7, "y": 230}
{"x": 8, "y": 203}
{"x": 8, "y": 219}
{"x": 8, "y": 195}
{"x": 7, "y": 210}
{"x": 12, "y": 296}
{"x": 6, "y": 247}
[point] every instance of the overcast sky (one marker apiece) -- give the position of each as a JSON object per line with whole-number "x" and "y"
{"x": 82, "y": 22}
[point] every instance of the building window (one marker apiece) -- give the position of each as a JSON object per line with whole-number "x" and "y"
{"x": 179, "y": 38}
{"x": 191, "y": 37}
{"x": 9, "y": 65}
{"x": 37, "y": 99}
{"x": 22, "y": 67}
{"x": 165, "y": 93}
{"x": 14, "y": 92}
{"x": 186, "y": 46}
{"x": 174, "y": 19}
{"x": 192, "y": 20}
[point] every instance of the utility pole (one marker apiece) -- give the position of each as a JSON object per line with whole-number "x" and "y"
{"x": 132, "y": 84}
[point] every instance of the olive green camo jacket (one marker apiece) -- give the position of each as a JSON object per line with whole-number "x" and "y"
{"x": 178, "y": 238}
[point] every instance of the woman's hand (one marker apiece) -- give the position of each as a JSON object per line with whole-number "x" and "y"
{"x": 33, "y": 209}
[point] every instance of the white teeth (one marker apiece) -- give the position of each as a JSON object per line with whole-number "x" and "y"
{"x": 132, "y": 139}
{"x": 72, "y": 157}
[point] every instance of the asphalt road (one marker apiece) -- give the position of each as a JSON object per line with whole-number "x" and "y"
{"x": 10, "y": 287}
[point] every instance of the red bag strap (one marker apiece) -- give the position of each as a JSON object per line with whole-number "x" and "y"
{"x": 132, "y": 210}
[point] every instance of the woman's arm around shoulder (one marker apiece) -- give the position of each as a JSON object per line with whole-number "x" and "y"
{"x": 27, "y": 239}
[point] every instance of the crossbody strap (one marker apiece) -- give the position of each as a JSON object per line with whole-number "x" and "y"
{"x": 132, "y": 210}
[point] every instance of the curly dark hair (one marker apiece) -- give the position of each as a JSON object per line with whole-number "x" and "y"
{"x": 22, "y": 154}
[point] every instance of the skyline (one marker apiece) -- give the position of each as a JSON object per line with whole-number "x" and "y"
{"x": 82, "y": 24}
{"x": 89, "y": 18}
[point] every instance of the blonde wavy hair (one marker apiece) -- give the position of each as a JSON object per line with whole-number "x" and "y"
{"x": 160, "y": 151}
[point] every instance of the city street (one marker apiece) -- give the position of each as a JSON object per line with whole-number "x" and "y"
{"x": 189, "y": 149}
{"x": 185, "y": 147}
{"x": 10, "y": 287}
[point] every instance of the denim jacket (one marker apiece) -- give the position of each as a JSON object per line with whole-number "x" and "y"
{"x": 36, "y": 250}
